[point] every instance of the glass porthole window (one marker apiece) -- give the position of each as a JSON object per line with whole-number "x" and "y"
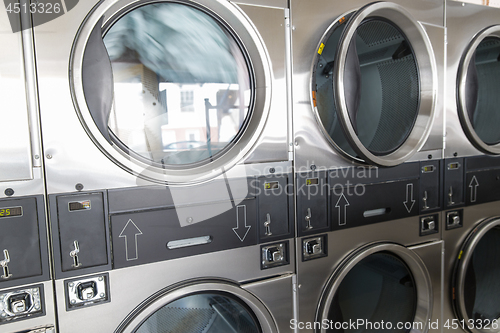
{"x": 182, "y": 87}
{"x": 372, "y": 75}
{"x": 172, "y": 91}
{"x": 477, "y": 276}
{"x": 201, "y": 313}
{"x": 477, "y": 84}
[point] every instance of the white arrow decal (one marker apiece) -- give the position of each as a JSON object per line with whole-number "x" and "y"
{"x": 473, "y": 189}
{"x": 342, "y": 202}
{"x": 409, "y": 198}
{"x": 130, "y": 231}
{"x": 241, "y": 213}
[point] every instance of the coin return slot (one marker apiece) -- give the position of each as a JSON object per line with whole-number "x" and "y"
{"x": 376, "y": 212}
{"x": 181, "y": 243}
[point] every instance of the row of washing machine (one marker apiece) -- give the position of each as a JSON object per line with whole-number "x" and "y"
{"x": 249, "y": 166}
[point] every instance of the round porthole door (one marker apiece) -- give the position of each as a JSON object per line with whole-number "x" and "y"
{"x": 204, "y": 307}
{"x": 477, "y": 279}
{"x": 381, "y": 287}
{"x": 374, "y": 85}
{"x": 477, "y": 86}
{"x": 172, "y": 91}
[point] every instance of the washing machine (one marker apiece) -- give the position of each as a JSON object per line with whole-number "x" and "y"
{"x": 368, "y": 78}
{"x": 168, "y": 164}
{"x": 471, "y": 268}
{"x": 368, "y": 82}
{"x": 384, "y": 276}
{"x": 473, "y": 39}
{"x": 26, "y": 291}
{"x": 472, "y": 169}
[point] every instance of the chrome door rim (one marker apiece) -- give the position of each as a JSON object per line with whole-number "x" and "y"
{"x": 259, "y": 63}
{"x": 265, "y": 320}
{"x": 493, "y": 31}
{"x": 428, "y": 82}
{"x": 412, "y": 260}
{"x": 466, "y": 254}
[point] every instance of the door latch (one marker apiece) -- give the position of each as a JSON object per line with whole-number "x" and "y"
{"x": 4, "y": 264}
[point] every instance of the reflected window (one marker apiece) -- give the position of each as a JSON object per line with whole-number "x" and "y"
{"x": 204, "y": 313}
{"x": 182, "y": 85}
{"x": 187, "y": 100}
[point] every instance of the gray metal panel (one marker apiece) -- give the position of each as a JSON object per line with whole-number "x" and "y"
{"x": 144, "y": 237}
{"x": 87, "y": 226}
{"x": 275, "y": 293}
{"x": 15, "y": 140}
{"x": 127, "y": 199}
{"x": 270, "y": 23}
{"x": 275, "y": 203}
{"x": 48, "y": 320}
{"x": 312, "y": 203}
{"x": 264, "y": 3}
{"x": 130, "y": 286}
{"x": 20, "y": 236}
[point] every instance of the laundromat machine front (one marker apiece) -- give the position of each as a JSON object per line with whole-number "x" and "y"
{"x": 168, "y": 164}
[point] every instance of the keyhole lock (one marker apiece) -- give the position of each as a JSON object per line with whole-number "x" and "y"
{"x": 4, "y": 264}
{"x": 450, "y": 197}
{"x": 425, "y": 198}
{"x": 74, "y": 254}
{"x": 267, "y": 225}
{"x": 308, "y": 219}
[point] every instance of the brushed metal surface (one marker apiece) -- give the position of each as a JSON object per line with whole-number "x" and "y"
{"x": 313, "y": 275}
{"x": 310, "y": 20}
{"x": 131, "y": 286}
{"x": 463, "y": 22}
{"x": 15, "y": 142}
{"x": 49, "y": 319}
{"x": 74, "y": 155}
{"x": 454, "y": 240}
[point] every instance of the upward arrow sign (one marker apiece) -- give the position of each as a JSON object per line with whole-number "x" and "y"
{"x": 130, "y": 233}
{"x": 473, "y": 189}
{"x": 342, "y": 202}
